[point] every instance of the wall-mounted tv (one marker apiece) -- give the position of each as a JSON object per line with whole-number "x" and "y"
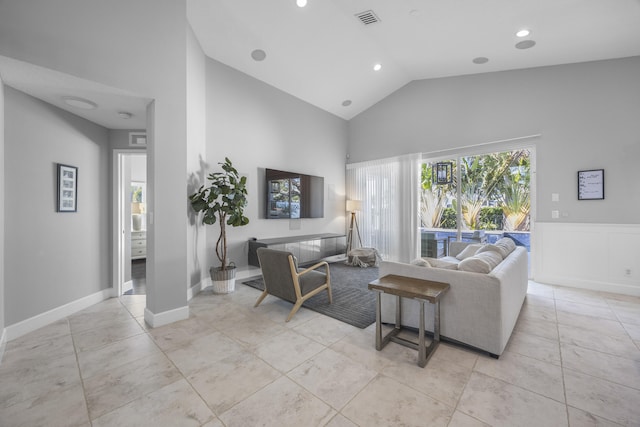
{"x": 293, "y": 195}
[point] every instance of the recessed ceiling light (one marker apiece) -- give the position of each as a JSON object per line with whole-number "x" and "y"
{"x": 258, "y": 55}
{"x": 480, "y": 60}
{"x": 346, "y": 102}
{"x": 414, "y": 12}
{"x": 301, "y": 3}
{"x": 523, "y": 33}
{"x": 377, "y": 67}
{"x": 124, "y": 115}
{"x": 525, "y": 44}
{"x": 81, "y": 103}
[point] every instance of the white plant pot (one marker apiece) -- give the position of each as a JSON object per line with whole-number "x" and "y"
{"x": 224, "y": 281}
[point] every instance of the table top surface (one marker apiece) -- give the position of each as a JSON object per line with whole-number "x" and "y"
{"x": 410, "y": 287}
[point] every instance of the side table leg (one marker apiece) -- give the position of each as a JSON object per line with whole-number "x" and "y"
{"x": 378, "y": 321}
{"x": 422, "y": 350}
{"x": 398, "y": 312}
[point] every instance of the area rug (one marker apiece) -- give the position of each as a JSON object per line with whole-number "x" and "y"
{"x": 353, "y": 302}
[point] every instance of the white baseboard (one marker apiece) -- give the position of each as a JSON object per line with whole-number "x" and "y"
{"x": 36, "y": 322}
{"x": 3, "y": 344}
{"x": 127, "y": 286}
{"x": 160, "y": 319}
{"x": 197, "y": 288}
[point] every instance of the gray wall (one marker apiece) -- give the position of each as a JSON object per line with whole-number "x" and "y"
{"x": 2, "y": 216}
{"x": 588, "y": 115}
{"x": 54, "y": 258}
{"x": 116, "y": 43}
{"x": 258, "y": 127}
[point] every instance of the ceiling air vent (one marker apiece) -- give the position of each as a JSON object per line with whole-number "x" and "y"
{"x": 367, "y": 17}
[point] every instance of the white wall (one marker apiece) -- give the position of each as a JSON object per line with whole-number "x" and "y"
{"x": 593, "y": 256}
{"x": 55, "y": 257}
{"x": 257, "y": 127}
{"x": 587, "y": 115}
{"x": 196, "y": 154}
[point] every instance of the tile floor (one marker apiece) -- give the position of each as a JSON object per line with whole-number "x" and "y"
{"x": 573, "y": 359}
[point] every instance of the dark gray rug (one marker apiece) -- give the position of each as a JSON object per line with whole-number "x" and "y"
{"x": 353, "y": 302}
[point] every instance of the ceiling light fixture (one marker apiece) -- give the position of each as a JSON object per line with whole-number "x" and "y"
{"x": 81, "y": 103}
{"x": 346, "y": 102}
{"x": 523, "y": 33}
{"x": 377, "y": 67}
{"x": 480, "y": 60}
{"x": 124, "y": 115}
{"x": 301, "y": 3}
{"x": 258, "y": 55}
{"x": 525, "y": 44}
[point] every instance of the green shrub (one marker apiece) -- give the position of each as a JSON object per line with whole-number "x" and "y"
{"x": 490, "y": 218}
{"x": 449, "y": 219}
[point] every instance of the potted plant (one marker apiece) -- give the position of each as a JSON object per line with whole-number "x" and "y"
{"x": 223, "y": 202}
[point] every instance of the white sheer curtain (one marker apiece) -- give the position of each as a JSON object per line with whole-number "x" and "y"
{"x": 389, "y": 191}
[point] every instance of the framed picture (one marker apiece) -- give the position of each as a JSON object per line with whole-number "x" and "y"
{"x": 67, "y": 188}
{"x": 443, "y": 173}
{"x": 591, "y": 184}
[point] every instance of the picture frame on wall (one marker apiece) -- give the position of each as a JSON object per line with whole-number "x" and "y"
{"x": 67, "y": 188}
{"x": 591, "y": 184}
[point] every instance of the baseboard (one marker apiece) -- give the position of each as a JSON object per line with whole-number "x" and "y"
{"x": 156, "y": 320}
{"x": 592, "y": 285}
{"x": 3, "y": 344}
{"x": 127, "y": 286}
{"x": 36, "y": 322}
{"x": 197, "y": 288}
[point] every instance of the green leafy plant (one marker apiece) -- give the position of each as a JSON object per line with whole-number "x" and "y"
{"x": 223, "y": 202}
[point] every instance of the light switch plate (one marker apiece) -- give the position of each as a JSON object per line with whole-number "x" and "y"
{"x": 555, "y": 214}
{"x": 555, "y": 197}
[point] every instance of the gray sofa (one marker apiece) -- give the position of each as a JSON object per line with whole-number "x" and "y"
{"x": 480, "y": 309}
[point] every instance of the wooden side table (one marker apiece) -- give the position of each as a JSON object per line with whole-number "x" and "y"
{"x": 420, "y": 290}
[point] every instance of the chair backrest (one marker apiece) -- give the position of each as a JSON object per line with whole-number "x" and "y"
{"x": 276, "y": 273}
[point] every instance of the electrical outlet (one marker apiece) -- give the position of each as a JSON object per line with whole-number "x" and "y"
{"x": 555, "y": 214}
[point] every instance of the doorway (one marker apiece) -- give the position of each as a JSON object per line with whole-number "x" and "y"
{"x": 130, "y": 185}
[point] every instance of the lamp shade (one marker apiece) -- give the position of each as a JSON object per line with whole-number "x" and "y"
{"x": 354, "y": 205}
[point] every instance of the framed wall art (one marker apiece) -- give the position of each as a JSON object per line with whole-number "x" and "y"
{"x": 67, "y": 188}
{"x": 591, "y": 184}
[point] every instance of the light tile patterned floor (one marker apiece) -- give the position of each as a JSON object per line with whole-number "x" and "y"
{"x": 573, "y": 359}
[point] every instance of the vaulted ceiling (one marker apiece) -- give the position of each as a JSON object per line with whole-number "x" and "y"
{"x": 325, "y": 53}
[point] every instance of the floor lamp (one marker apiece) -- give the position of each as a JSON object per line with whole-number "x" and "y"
{"x": 353, "y": 206}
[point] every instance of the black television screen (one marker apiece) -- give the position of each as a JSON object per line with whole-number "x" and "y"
{"x": 294, "y": 195}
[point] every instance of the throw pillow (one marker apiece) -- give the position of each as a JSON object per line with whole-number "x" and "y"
{"x": 475, "y": 265}
{"x": 421, "y": 262}
{"x": 492, "y": 258}
{"x": 494, "y": 248}
{"x": 508, "y": 244}
{"x": 469, "y": 251}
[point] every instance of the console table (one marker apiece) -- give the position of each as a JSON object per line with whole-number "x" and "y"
{"x": 306, "y": 249}
{"x": 420, "y": 290}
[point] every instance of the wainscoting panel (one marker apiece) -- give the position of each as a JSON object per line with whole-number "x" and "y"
{"x": 604, "y": 257}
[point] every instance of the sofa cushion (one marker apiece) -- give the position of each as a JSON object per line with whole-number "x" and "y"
{"x": 421, "y": 262}
{"x": 469, "y": 251}
{"x": 508, "y": 244}
{"x": 482, "y": 262}
{"x": 438, "y": 263}
{"x": 500, "y": 250}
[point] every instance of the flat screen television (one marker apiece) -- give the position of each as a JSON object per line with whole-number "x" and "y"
{"x": 293, "y": 195}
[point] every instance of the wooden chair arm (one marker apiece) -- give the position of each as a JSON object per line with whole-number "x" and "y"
{"x": 315, "y": 267}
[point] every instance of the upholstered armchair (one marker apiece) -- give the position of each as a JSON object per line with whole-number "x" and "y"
{"x": 283, "y": 279}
